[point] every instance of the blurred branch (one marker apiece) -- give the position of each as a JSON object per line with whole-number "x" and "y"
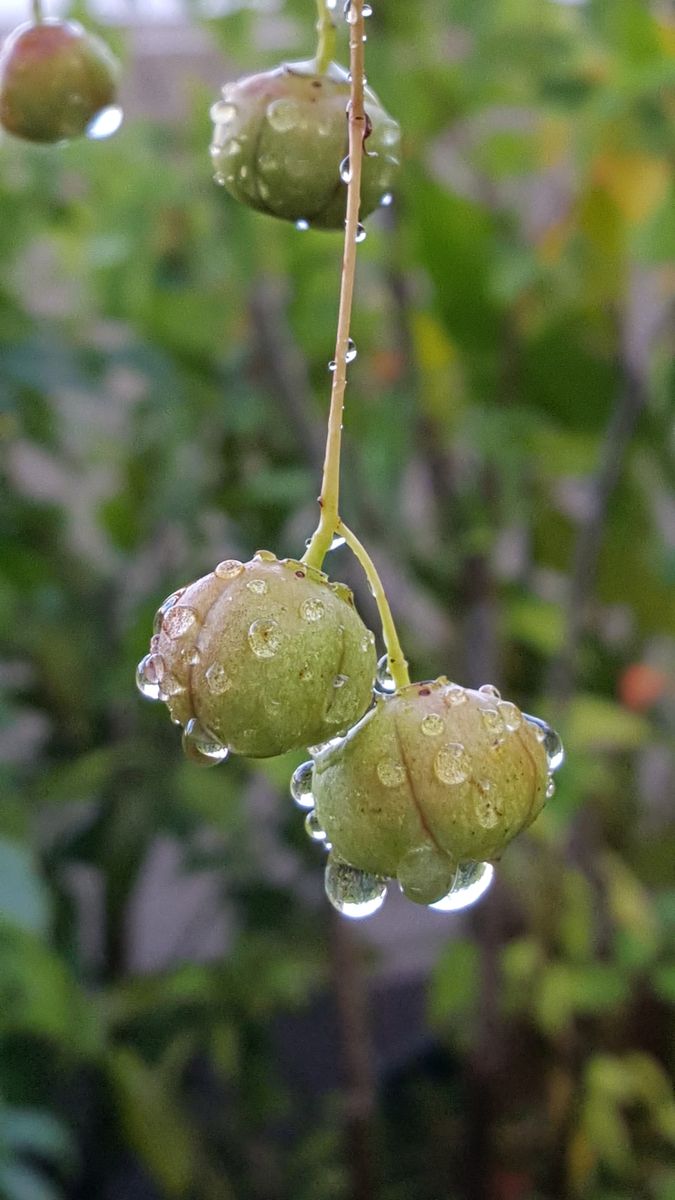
{"x": 351, "y": 997}
{"x": 618, "y": 435}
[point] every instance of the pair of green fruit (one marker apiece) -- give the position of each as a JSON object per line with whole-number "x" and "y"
{"x": 426, "y": 785}
{"x": 280, "y": 142}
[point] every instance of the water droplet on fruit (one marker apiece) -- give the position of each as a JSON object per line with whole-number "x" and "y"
{"x": 470, "y": 884}
{"x": 367, "y": 641}
{"x": 264, "y": 637}
{"x": 283, "y": 115}
{"x": 268, "y": 163}
{"x": 170, "y": 686}
{"x": 149, "y": 673}
{"x": 454, "y": 694}
{"x": 302, "y": 225}
{"x": 230, "y": 149}
{"x": 491, "y": 692}
{"x": 425, "y": 874}
{"x": 105, "y": 123}
{"x": 265, "y": 556}
{"x": 492, "y": 721}
{"x": 201, "y": 747}
{"x": 313, "y": 827}
{"x": 361, "y": 233}
{"x": 257, "y": 586}
{"x": 510, "y": 715}
{"x": 164, "y": 608}
{"x": 340, "y": 681}
{"x": 229, "y": 569}
{"x": 432, "y": 725}
{"x": 301, "y": 785}
{"x": 346, "y": 170}
{"x": 305, "y": 675}
{"x": 312, "y": 610}
{"x": 217, "y": 679}
{"x": 178, "y": 621}
{"x": 383, "y": 678}
{"x": 451, "y": 764}
{"x": 552, "y": 744}
{"x": 486, "y": 810}
{"x": 355, "y": 894}
{"x": 223, "y": 113}
{"x": 390, "y": 772}
{"x": 219, "y": 178}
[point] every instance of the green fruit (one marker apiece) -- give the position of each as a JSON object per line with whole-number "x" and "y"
{"x": 432, "y": 777}
{"x": 55, "y": 81}
{"x": 259, "y": 658}
{"x": 281, "y": 136}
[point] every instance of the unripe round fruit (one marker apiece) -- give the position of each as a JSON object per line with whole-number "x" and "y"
{"x": 55, "y": 80}
{"x": 259, "y": 658}
{"x": 434, "y": 776}
{"x": 281, "y": 136}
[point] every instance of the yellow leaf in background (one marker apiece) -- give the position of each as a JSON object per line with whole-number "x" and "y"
{"x": 666, "y": 32}
{"x": 435, "y": 351}
{"x": 439, "y": 367}
{"x": 553, "y": 240}
{"x": 581, "y": 1162}
{"x": 554, "y": 137}
{"x": 637, "y": 183}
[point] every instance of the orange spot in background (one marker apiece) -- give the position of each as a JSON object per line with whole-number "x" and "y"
{"x": 642, "y": 686}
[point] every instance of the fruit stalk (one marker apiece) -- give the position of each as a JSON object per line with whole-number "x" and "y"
{"x": 330, "y": 486}
{"x": 396, "y": 660}
{"x": 325, "y": 28}
{"x": 38, "y": 14}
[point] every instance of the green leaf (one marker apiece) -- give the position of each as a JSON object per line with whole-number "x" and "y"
{"x": 454, "y": 985}
{"x": 597, "y": 723}
{"x": 154, "y": 1124}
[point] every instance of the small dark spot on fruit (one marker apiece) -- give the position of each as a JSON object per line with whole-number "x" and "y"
{"x": 300, "y": 574}
{"x": 316, "y": 83}
{"x": 424, "y": 692}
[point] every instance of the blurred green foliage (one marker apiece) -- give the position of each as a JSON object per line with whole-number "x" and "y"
{"x": 162, "y": 387}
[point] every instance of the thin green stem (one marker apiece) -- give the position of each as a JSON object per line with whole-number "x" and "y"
{"x": 396, "y": 660}
{"x": 330, "y": 485}
{"x": 325, "y": 28}
{"x": 38, "y": 14}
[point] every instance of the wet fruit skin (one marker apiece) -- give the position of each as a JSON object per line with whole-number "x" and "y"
{"x": 268, "y": 656}
{"x": 461, "y": 790}
{"x": 281, "y": 136}
{"x": 54, "y": 79}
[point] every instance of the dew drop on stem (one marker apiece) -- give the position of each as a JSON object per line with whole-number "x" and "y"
{"x": 346, "y": 170}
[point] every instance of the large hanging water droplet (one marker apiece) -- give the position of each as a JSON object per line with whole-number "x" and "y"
{"x": 313, "y": 827}
{"x": 470, "y": 884}
{"x": 346, "y": 170}
{"x": 149, "y": 673}
{"x": 452, "y": 764}
{"x": 425, "y": 874}
{"x": 355, "y": 894}
{"x": 361, "y": 233}
{"x": 552, "y": 744}
{"x": 105, "y": 123}
{"x": 367, "y": 10}
{"x": 384, "y": 681}
{"x": 301, "y": 785}
{"x": 264, "y": 637}
{"x": 351, "y": 351}
{"x": 178, "y": 621}
{"x": 201, "y": 747}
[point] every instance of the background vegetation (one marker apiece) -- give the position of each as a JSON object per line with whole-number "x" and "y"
{"x": 179, "y": 1014}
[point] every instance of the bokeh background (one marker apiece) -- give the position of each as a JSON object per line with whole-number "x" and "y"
{"x": 181, "y": 1016}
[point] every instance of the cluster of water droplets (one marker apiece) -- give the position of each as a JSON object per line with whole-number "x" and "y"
{"x": 358, "y": 894}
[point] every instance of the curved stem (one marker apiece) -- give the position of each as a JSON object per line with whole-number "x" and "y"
{"x": 38, "y": 14}
{"x": 325, "y": 28}
{"x": 396, "y": 660}
{"x": 330, "y": 485}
